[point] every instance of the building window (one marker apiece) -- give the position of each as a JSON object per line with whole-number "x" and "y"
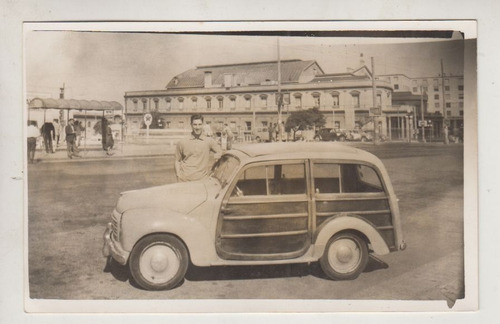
{"x": 436, "y": 84}
{"x": 336, "y": 99}
{"x": 169, "y": 103}
{"x": 135, "y": 104}
{"x": 396, "y": 79}
{"x": 220, "y": 100}
{"x": 446, "y": 81}
{"x": 460, "y": 88}
{"x": 232, "y": 102}
{"x": 436, "y": 96}
{"x": 426, "y": 89}
{"x": 448, "y": 113}
{"x": 379, "y": 100}
{"x": 446, "y": 88}
{"x": 460, "y": 105}
{"x": 263, "y": 101}
{"x": 448, "y": 105}
{"x": 181, "y": 103}
{"x": 157, "y": 102}
{"x": 415, "y": 89}
{"x": 461, "y": 112}
{"x": 248, "y": 102}
{"x": 297, "y": 100}
{"x": 355, "y": 99}
{"x": 209, "y": 102}
{"x": 144, "y": 104}
{"x": 317, "y": 99}
{"x": 194, "y": 101}
{"x": 396, "y": 87}
{"x": 436, "y": 105}
{"x": 461, "y": 96}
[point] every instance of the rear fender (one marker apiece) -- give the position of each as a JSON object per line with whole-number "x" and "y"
{"x": 345, "y": 223}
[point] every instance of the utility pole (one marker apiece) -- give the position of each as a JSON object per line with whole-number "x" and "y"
{"x": 279, "y": 99}
{"x": 422, "y": 113}
{"x": 445, "y": 121}
{"x": 375, "y": 109}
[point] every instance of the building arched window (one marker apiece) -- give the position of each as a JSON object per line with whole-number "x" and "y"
{"x": 232, "y": 102}
{"x": 336, "y": 99}
{"x": 144, "y": 104}
{"x": 220, "y": 99}
{"x": 297, "y": 97}
{"x": 248, "y": 101}
{"x": 194, "y": 101}
{"x": 263, "y": 100}
{"x": 135, "y": 101}
{"x": 317, "y": 99}
{"x": 181, "y": 103}
{"x": 157, "y": 102}
{"x": 209, "y": 102}
{"x": 168, "y": 101}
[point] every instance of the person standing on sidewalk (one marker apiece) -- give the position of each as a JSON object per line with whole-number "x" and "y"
{"x": 48, "y": 134}
{"x": 227, "y": 133}
{"x": 192, "y": 155}
{"x": 71, "y": 138}
{"x": 32, "y": 133}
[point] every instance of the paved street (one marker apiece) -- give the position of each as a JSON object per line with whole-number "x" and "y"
{"x": 70, "y": 204}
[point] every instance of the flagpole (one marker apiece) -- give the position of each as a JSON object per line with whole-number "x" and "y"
{"x": 279, "y": 101}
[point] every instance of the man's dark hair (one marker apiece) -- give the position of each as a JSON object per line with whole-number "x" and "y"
{"x": 196, "y": 116}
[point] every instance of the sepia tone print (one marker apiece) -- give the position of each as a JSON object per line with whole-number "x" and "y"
{"x": 338, "y": 172}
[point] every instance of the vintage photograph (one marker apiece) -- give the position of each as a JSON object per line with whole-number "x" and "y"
{"x": 264, "y": 165}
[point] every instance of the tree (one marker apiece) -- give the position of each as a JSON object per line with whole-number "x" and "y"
{"x": 304, "y": 119}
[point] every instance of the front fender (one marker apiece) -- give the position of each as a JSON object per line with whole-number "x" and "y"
{"x": 342, "y": 223}
{"x": 138, "y": 223}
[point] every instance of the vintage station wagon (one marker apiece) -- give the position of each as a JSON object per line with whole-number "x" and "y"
{"x": 270, "y": 203}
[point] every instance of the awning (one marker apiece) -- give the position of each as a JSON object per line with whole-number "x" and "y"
{"x": 49, "y": 103}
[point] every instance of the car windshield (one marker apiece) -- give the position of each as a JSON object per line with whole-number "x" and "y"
{"x": 224, "y": 168}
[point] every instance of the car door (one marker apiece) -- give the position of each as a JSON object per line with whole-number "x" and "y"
{"x": 265, "y": 213}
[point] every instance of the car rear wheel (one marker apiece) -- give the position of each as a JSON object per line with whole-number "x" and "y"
{"x": 159, "y": 262}
{"x": 345, "y": 257}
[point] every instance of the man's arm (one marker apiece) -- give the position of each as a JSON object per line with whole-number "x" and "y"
{"x": 178, "y": 159}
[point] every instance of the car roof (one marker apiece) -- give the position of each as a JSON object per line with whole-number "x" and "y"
{"x": 301, "y": 150}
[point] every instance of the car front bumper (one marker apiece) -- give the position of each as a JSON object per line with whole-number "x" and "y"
{"x": 113, "y": 248}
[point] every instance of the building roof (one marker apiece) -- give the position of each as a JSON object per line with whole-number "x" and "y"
{"x": 254, "y": 73}
{"x": 49, "y": 103}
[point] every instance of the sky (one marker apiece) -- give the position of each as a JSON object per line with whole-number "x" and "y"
{"x": 104, "y": 65}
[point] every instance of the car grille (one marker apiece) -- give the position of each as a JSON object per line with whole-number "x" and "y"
{"x": 115, "y": 218}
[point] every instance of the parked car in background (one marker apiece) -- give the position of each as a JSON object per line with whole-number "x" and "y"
{"x": 261, "y": 134}
{"x": 330, "y": 134}
{"x": 359, "y": 135}
{"x": 271, "y": 203}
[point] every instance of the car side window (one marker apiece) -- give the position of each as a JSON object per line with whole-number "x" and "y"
{"x": 360, "y": 178}
{"x": 278, "y": 179}
{"x": 326, "y": 177}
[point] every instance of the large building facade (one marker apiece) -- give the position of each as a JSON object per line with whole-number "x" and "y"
{"x": 245, "y": 96}
{"x": 442, "y": 98}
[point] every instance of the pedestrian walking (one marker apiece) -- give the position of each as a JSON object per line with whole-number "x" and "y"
{"x": 78, "y": 131}
{"x": 48, "y": 134}
{"x": 192, "y": 154}
{"x": 32, "y": 133}
{"x": 272, "y": 132}
{"x": 71, "y": 139}
{"x": 107, "y": 136}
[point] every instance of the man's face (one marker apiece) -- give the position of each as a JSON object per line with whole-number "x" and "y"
{"x": 197, "y": 126}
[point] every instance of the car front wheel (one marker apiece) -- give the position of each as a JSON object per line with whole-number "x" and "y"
{"x": 159, "y": 262}
{"x": 345, "y": 257}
